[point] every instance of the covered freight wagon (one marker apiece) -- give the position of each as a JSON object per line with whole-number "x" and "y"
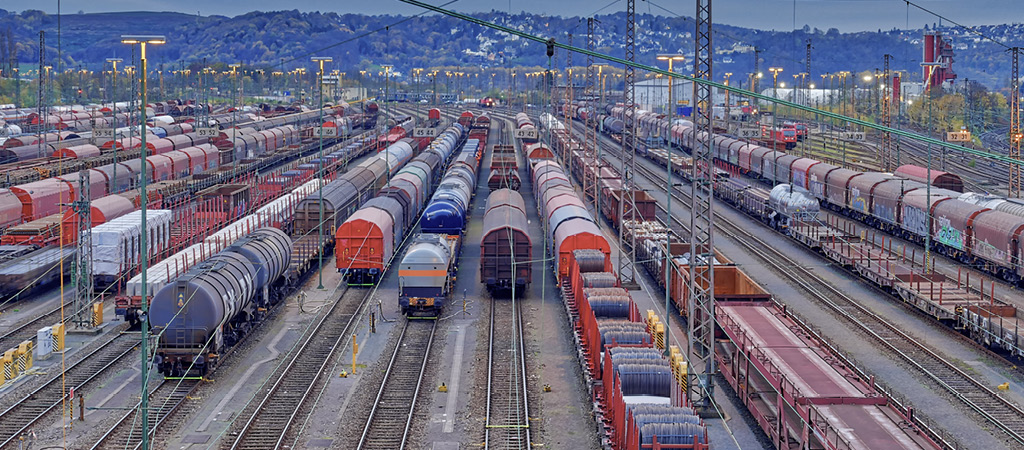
{"x": 506, "y": 248}
{"x": 363, "y": 245}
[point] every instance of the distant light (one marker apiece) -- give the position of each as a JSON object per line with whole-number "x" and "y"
{"x": 868, "y": 77}
{"x": 812, "y": 85}
{"x": 782, "y": 84}
{"x": 138, "y": 39}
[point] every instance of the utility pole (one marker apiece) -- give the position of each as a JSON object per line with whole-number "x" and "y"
{"x": 807, "y": 59}
{"x": 83, "y": 256}
{"x": 114, "y": 188}
{"x": 627, "y": 257}
{"x": 967, "y": 103}
{"x": 1015, "y": 132}
{"x": 591, "y": 152}
{"x": 568, "y": 85}
{"x": 928, "y": 174}
{"x": 41, "y": 99}
{"x": 728, "y": 107}
{"x": 320, "y": 156}
{"x": 757, "y": 74}
{"x": 886, "y": 115}
{"x": 701, "y": 333}
{"x": 143, "y": 248}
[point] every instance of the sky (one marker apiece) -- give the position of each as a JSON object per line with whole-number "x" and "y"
{"x": 846, "y": 15}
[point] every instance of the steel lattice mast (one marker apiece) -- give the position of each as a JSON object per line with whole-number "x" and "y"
{"x": 83, "y": 256}
{"x": 1013, "y": 189}
{"x": 701, "y": 334}
{"x": 567, "y": 94}
{"x": 887, "y": 115}
{"x": 590, "y": 188}
{"x": 627, "y": 254}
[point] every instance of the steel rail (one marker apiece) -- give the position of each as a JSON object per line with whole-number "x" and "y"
{"x": 170, "y": 394}
{"x": 978, "y": 397}
{"x": 44, "y": 399}
{"x": 377, "y": 433}
{"x": 273, "y": 405}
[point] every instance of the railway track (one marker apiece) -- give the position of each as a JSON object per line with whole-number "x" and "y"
{"x": 268, "y": 422}
{"x": 27, "y": 330}
{"x": 49, "y": 397}
{"x": 508, "y": 412}
{"x": 1005, "y": 416}
{"x": 387, "y": 427}
{"x": 164, "y": 400}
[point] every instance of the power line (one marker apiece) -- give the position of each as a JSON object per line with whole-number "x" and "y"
{"x": 965, "y": 27}
{"x": 552, "y": 44}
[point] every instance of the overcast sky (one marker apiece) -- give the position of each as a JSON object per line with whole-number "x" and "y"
{"x": 846, "y": 15}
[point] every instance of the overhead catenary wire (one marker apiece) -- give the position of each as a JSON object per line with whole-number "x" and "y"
{"x": 958, "y": 24}
{"x": 158, "y": 335}
{"x": 720, "y": 86}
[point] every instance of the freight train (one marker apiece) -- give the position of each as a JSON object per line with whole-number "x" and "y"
{"x": 368, "y": 239}
{"x": 616, "y": 340}
{"x": 212, "y": 306}
{"x": 976, "y": 229}
{"x": 33, "y": 160}
{"x": 959, "y": 227}
{"x": 204, "y": 304}
{"x": 428, "y": 271}
{"x": 45, "y": 232}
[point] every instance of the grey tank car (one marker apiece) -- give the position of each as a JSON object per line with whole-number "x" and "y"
{"x": 217, "y": 302}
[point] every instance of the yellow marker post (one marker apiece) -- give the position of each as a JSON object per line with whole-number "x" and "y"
{"x": 97, "y": 314}
{"x": 10, "y": 365}
{"x": 24, "y": 355}
{"x": 58, "y": 337}
{"x": 355, "y": 350}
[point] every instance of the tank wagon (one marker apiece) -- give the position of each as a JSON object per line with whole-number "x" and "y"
{"x": 448, "y": 208}
{"x": 427, "y": 273}
{"x": 428, "y": 269}
{"x": 212, "y": 306}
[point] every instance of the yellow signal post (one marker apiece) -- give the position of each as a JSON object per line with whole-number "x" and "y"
{"x": 58, "y": 337}
{"x": 97, "y": 314}
{"x": 24, "y": 355}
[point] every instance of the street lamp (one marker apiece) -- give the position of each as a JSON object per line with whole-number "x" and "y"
{"x": 113, "y": 107}
{"x": 668, "y": 188}
{"x": 320, "y": 90}
{"x": 928, "y": 174}
{"x": 387, "y": 75}
{"x": 671, "y": 59}
{"x": 143, "y": 253}
{"x": 775, "y": 108}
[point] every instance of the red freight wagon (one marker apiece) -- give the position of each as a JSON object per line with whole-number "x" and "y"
{"x": 42, "y": 198}
{"x": 103, "y": 210}
{"x": 363, "y": 244}
{"x": 98, "y": 186}
{"x": 159, "y": 168}
{"x": 78, "y": 151}
{"x": 939, "y": 179}
{"x": 10, "y": 209}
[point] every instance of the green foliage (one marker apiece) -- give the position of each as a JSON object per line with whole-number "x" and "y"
{"x": 266, "y": 38}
